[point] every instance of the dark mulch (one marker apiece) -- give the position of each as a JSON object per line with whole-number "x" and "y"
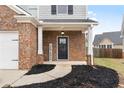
{"x": 83, "y": 77}
{"x": 40, "y": 69}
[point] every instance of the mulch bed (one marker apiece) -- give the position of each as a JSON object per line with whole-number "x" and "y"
{"x": 37, "y": 69}
{"x": 83, "y": 76}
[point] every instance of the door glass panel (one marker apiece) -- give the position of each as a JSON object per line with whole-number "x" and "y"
{"x": 62, "y": 41}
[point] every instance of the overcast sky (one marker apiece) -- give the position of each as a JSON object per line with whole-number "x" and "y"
{"x": 108, "y": 16}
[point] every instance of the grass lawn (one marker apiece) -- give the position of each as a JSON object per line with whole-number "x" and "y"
{"x": 116, "y": 64}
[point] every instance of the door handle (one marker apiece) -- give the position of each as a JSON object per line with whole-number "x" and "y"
{"x": 15, "y": 40}
{"x": 15, "y": 60}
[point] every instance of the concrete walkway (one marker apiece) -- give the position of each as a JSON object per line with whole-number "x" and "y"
{"x": 121, "y": 81}
{"x": 10, "y": 76}
{"x": 66, "y": 62}
{"x": 57, "y": 72}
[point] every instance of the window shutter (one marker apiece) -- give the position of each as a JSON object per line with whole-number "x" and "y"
{"x": 70, "y": 9}
{"x": 53, "y": 9}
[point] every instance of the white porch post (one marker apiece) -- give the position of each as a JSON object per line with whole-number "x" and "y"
{"x": 123, "y": 47}
{"x": 40, "y": 40}
{"x": 90, "y": 46}
{"x": 122, "y": 36}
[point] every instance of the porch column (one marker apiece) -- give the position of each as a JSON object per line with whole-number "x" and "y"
{"x": 40, "y": 40}
{"x": 122, "y": 36}
{"x": 123, "y": 47}
{"x": 90, "y": 46}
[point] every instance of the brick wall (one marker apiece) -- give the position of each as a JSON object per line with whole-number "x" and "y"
{"x": 27, "y": 45}
{"x": 76, "y": 44}
{"x": 27, "y": 37}
{"x": 7, "y": 20}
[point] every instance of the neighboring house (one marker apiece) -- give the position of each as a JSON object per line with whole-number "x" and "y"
{"x": 108, "y": 40}
{"x": 30, "y": 35}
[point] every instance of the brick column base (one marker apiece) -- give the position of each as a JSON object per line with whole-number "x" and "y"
{"x": 40, "y": 59}
{"x": 89, "y": 60}
{"x": 25, "y": 65}
{"x": 123, "y": 55}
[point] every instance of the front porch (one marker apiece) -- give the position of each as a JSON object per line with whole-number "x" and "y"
{"x": 64, "y": 45}
{"x": 58, "y": 41}
{"x": 66, "y": 62}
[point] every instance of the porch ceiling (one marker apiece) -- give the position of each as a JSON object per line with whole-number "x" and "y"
{"x": 65, "y": 26}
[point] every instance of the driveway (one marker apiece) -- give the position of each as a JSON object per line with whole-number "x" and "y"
{"x": 10, "y": 76}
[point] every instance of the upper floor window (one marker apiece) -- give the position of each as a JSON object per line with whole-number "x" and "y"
{"x": 62, "y": 9}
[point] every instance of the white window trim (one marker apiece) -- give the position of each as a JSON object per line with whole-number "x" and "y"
{"x": 112, "y": 45}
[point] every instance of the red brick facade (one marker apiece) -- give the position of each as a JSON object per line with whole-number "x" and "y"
{"x": 76, "y": 44}
{"x": 27, "y": 45}
{"x": 27, "y": 37}
{"x": 28, "y": 55}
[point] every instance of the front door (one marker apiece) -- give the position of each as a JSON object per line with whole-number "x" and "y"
{"x": 62, "y": 48}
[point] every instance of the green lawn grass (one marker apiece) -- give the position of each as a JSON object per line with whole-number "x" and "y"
{"x": 116, "y": 64}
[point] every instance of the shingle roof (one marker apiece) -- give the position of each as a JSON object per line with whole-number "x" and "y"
{"x": 113, "y": 36}
{"x": 69, "y": 20}
{"x": 23, "y": 9}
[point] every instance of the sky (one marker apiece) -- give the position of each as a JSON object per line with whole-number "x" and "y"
{"x": 109, "y": 17}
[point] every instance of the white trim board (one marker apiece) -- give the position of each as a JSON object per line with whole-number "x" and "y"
{"x": 28, "y": 19}
{"x": 18, "y": 10}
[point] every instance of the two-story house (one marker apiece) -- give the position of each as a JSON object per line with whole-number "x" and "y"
{"x": 44, "y": 33}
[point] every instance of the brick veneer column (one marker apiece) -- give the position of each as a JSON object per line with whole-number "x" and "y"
{"x": 27, "y": 45}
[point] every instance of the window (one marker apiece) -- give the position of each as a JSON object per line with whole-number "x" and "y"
{"x": 102, "y": 46}
{"x": 99, "y": 46}
{"x": 62, "y": 41}
{"x": 109, "y": 46}
{"x": 53, "y": 9}
{"x": 61, "y": 9}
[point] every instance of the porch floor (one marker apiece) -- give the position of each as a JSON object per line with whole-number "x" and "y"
{"x": 66, "y": 62}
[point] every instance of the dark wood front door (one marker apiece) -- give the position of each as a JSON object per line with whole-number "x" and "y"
{"x": 62, "y": 48}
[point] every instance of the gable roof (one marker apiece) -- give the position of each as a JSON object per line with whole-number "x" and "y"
{"x": 24, "y": 16}
{"x": 113, "y": 36}
{"x": 18, "y": 10}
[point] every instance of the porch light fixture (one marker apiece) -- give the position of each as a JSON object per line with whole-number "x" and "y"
{"x": 62, "y": 33}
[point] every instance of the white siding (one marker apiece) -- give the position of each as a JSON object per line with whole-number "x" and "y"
{"x": 32, "y": 9}
{"x": 79, "y": 12}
